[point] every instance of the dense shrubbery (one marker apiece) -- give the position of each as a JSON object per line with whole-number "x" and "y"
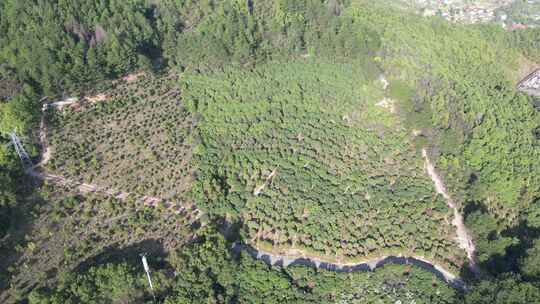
{"x": 210, "y": 34}
{"x": 70, "y": 228}
{"x": 61, "y": 45}
{"x": 483, "y": 128}
{"x": 528, "y": 41}
{"x": 304, "y": 156}
{"x": 8, "y": 187}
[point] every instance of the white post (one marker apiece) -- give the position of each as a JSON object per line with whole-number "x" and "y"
{"x": 147, "y": 269}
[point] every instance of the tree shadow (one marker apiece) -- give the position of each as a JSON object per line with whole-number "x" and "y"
{"x": 510, "y": 261}
{"x": 501, "y": 264}
{"x": 472, "y": 206}
{"x": 131, "y": 254}
{"x": 20, "y": 225}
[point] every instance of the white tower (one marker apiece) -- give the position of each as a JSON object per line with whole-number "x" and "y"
{"x": 147, "y": 269}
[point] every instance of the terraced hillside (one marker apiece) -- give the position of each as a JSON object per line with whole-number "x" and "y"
{"x": 136, "y": 140}
{"x": 314, "y": 159}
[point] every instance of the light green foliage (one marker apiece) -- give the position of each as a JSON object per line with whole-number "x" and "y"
{"x": 294, "y": 143}
{"x": 528, "y": 41}
{"x": 523, "y": 11}
{"x": 20, "y": 113}
{"x": 463, "y": 77}
{"x": 347, "y": 180}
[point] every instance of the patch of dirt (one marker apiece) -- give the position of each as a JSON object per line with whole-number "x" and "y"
{"x": 46, "y": 151}
{"x": 416, "y": 133}
{"x": 84, "y": 188}
{"x": 269, "y": 179}
{"x": 526, "y": 67}
{"x": 388, "y": 104}
{"x": 97, "y": 98}
{"x": 132, "y": 77}
{"x": 384, "y": 82}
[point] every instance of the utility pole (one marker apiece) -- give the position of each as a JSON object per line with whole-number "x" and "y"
{"x": 147, "y": 269}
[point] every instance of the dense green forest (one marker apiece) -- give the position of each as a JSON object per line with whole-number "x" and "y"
{"x": 341, "y": 164}
{"x": 299, "y": 122}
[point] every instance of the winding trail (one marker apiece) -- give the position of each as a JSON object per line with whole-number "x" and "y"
{"x": 285, "y": 260}
{"x": 190, "y": 211}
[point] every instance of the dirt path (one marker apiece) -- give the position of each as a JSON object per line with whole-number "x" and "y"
{"x": 46, "y": 155}
{"x": 121, "y": 195}
{"x": 46, "y": 152}
{"x": 60, "y": 104}
{"x": 463, "y": 238}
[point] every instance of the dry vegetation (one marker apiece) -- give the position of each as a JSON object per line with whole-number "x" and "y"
{"x": 69, "y": 229}
{"x": 137, "y": 141}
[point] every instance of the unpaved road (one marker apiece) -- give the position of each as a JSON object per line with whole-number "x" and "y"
{"x": 121, "y": 195}
{"x": 298, "y": 258}
{"x": 463, "y": 238}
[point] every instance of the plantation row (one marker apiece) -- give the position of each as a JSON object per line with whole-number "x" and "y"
{"x": 303, "y": 156}
{"x": 135, "y": 141}
{"x": 71, "y": 229}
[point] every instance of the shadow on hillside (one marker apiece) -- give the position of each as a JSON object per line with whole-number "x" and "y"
{"x": 20, "y": 222}
{"x": 152, "y": 248}
{"x": 514, "y": 254}
{"x": 508, "y": 262}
